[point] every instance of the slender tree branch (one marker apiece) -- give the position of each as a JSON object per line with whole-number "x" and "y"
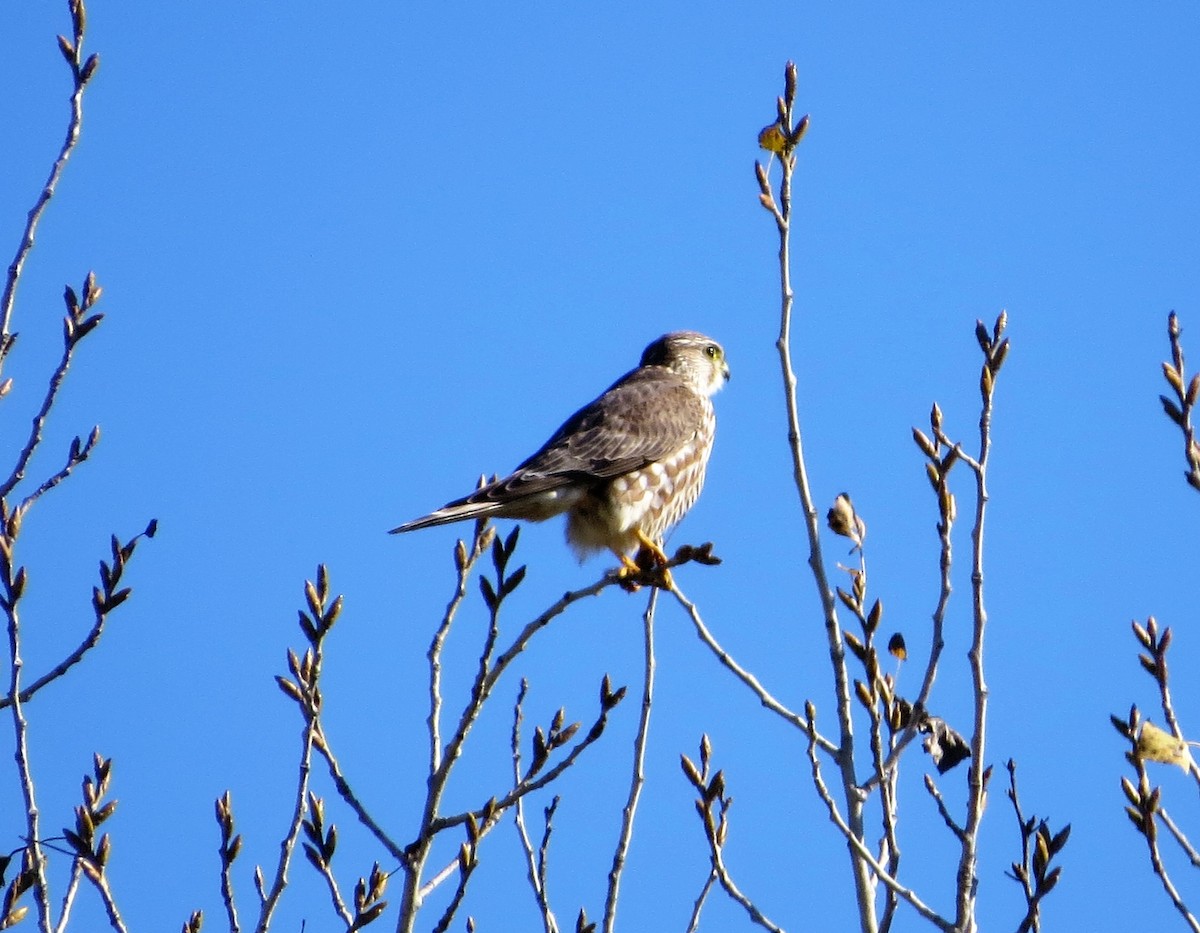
{"x": 1180, "y": 837}
{"x": 288, "y": 843}
{"x": 1180, "y": 410}
{"x": 698, "y": 906}
{"x": 467, "y": 866}
{"x": 1159, "y": 868}
{"x": 230, "y": 847}
{"x": 323, "y": 611}
{"x": 464, "y": 563}
{"x": 939, "y": 465}
{"x": 68, "y": 900}
{"x": 726, "y": 882}
{"x": 82, "y": 70}
{"x": 346, "y": 792}
{"x": 100, "y": 882}
{"x": 787, "y": 133}
{"x": 712, "y": 805}
{"x": 490, "y": 814}
{"x": 526, "y": 787}
{"x": 637, "y": 777}
{"x": 325, "y": 870}
{"x": 943, "y": 812}
{"x": 21, "y": 741}
{"x": 536, "y": 864}
{"x": 756, "y": 687}
{"x": 880, "y": 871}
{"x": 89, "y": 642}
{"x": 995, "y": 348}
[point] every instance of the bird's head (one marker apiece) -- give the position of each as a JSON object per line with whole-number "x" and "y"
{"x": 698, "y": 359}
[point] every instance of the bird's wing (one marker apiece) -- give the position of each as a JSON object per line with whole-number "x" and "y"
{"x": 646, "y": 416}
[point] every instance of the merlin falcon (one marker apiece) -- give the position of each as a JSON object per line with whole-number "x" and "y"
{"x": 624, "y": 468}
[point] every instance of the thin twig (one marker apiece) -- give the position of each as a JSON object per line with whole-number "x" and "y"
{"x": 637, "y": 776}
{"x": 904, "y": 893}
{"x": 535, "y": 863}
{"x": 505, "y": 658}
{"x": 937, "y": 638}
{"x": 1180, "y": 837}
{"x": 288, "y": 843}
{"x": 756, "y": 687}
{"x": 1026, "y": 838}
{"x": 1160, "y": 869}
{"x": 346, "y": 792}
{"x": 726, "y": 882}
{"x": 24, "y": 770}
{"x": 339, "y": 905}
{"x": 949, "y": 820}
{"x": 89, "y": 642}
{"x": 227, "y": 897}
{"x": 876, "y": 706}
{"x": 306, "y": 693}
{"x": 698, "y": 906}
{"x": 7, "y": 299}
{"x": 525, "y": 788}
{"x": 467, "y": 867}
{"x": 1187, "y": 397}
{"x": 100, "y": 882}
{"x": 68, "y": 900}
{"x": 781, "y": 210}
{"x": 967, "y": 877}
{"x": 74, "y": 125}
{"x": 488, "y": 816}
{"x": 464, "y": 563}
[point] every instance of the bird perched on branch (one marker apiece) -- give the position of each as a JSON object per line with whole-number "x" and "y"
{"x": 625, "y": 467}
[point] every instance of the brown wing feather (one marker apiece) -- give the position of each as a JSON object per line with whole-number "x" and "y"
{"x": 645, "y": 416}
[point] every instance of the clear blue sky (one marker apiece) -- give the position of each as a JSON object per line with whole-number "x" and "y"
{"x": 356, "y": 254}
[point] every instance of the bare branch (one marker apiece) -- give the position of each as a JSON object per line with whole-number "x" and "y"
{"x": 1180, "y": 837}
{"x": 464, "y": 563}
{"x": 637, "y": 776}
{"x": 467, "y": 862}
{"x": 320, "y": 849}
{"x": 856, "y": 843}
{"x": 783, "y": 139}
{"x": 108, "y": 599}
{"x": 323, "y": 610}
{"x": 536, "y": 864}
{"x": 489, "y": 815}
{"x": 995, "y": 349}
{"x": 764, "y": 696}
{"x": 1148, "y": 742}
{"x": 69, "y": 896}
{"x": 951, "y": 824}
{"x": 346, "y": 792}
{"x": 713, "y": 805}
{"x": 1038, "y": 848}
{"x": 231, "y": 845}
{"x": 79, "y": 67}
{"x": 1187, "y": 393}
{"x": 33, "y": 849}
{"x": 698, "y": 906}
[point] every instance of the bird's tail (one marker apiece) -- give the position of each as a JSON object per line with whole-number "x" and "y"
{"x": 455, "y": 512}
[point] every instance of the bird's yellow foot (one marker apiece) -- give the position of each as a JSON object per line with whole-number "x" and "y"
{"x": 648, "y": 565}
{"x": 648, "y": 545}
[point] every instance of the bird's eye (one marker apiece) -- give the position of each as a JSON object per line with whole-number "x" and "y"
{"x": 711, "y": 351}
